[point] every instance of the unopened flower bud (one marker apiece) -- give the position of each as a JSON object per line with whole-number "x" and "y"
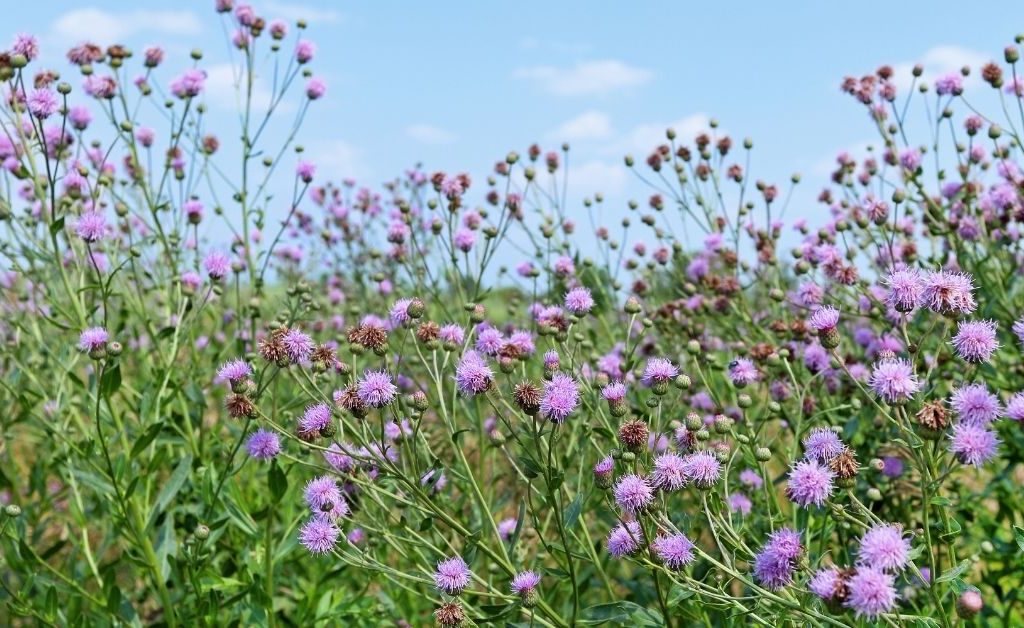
{"x": 763, "y": 454}
{"x": 969, "y": 604}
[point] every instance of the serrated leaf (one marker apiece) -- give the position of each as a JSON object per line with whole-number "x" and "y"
{"x": 954, "y": 572}
{"x": 572, "y": 513}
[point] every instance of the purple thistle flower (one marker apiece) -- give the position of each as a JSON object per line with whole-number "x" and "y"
{"x": 524, "y": 583}
{"x": 464, "y": 240}
{"x": 234, "y": 371}
{"x": 42, "y": 103}
{"x": 578, "y": 301}
{"x": 216, "y": 264}
{"x": 376, "y": 389}
{"x": 298, "y": 345}
{"x": 659, "y": 371}
{"x": 624, "y": 539}
{"x": 315, "y": 419}
{"x": 614, "y": 393}
{"x": 399, "y": 314}
{"x": 338, "y": 459}
{"x": 189, "y": 84}
{"x": 973, "y": 444}
{"x": 452, "y": 334}
{"x": 675, "y": 551}
{"x": 93, "y": 339}
{"x": 315, "y": 88}
{"x": 749, "y": 477}
{"x": 824, "y": 319}
{"x": 742, "y": 372}
{"x": 975, "y": 341}
{"x": 523, "y": 342}
{"x": 472, "y": 375}
{"x": 305, "y": 171}
{"x": 775, "y": 563}
{"x": 319, "y": 535}
{"x": 561, "y": 396}
{"x": 947, "y": 292}
{"x": 826, "y": 583}
{"x": 822, "y": 444}
{"x": 263, "y": 445}
{"x": 551, "y": 360}
{"x": 974, "y": 404}
{"x": 669, "y": 472}
{"x": 906, "y": 289}
{"x": 884, "y": 547}
{"x": 91, "y": 226}
{"x": 1018, "y": 330}
{"x": 603, "y": 472}
{"x": 323, "y": 496}
{"x": 633, "y": 493}
{"x": 1015, "y": 407}
{"x": 452, "y": 575}
{"x": 506, "y": 527}
{"x": 489, "y": 341}
{"x": 871, "y": 592}
{"x": 809, "y": 483}
{"x": 738, "y": 502}
{"x": 894, "y": 380}
{"x": 702, "y": 468}
{"x": 26, "y": 45}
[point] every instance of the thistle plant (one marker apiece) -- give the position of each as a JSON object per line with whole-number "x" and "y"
{"x": 442, "y": 400}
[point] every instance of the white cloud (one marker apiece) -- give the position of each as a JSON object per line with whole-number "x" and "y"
{"x": 589, "y": 77}
{"x": 429, "y": 134}
{"x": 106, "y": 28}
{"x": 597, "y": 177}
{"x": 336, "y": 160}
{"x": 296, "y": 12}
{"x": 589, "y": 125}
{"x": 937, "y": 62}
{"x": 644, "y": 138}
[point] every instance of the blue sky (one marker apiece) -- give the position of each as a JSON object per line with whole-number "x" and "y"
{"x": 456, "y": 85}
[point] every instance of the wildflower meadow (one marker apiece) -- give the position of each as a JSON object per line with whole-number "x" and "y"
{"x": 454, "y": 400}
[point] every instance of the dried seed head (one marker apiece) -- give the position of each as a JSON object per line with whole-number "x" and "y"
{"x": 427, "y": 331}
{"x": 633, "y": 435}
{"x": 845, "y": 464}
{"x": 527, "y": 396}
{"x": 240, "y": 407}
{"x": 933, "y": 416}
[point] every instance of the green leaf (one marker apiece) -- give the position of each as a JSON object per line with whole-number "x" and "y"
{"x": 1018, "y": 533}
{"x": 530, "y": 467}
{"x": 110, "y": 381}
{"x": 572, "y": 513}
{"x": 147, "y": 437}
{"x": 173, "y": 485}
{"x": 277, "y": 481}
{"x": 954, "y": 572}
{"x": 57, "y": 226}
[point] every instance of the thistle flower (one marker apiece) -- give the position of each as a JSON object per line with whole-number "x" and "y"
{"x": 884, "y": 547}
{"x": 603, "y": 472}
{"x": 668, "y": 472}
{"x": 633, "y": 435}
{"x": 738, "y": 502}
{"x": 452, "y": 575}
{"x": 743, "y": 372}
{"x": 828, "y": 584}
{"x": 561, "y": 396}
{"x": 91, "y": 226}
{"x": 775, "y": 563}
{"x": 1015, "y": 407}
{"x": 263, "y": 445}
{"x": 527, "y": 396}
{"x": 624, "y": 540}
{"x": 824, "y": 321}
{"x": 750, "y": 478}
{"x": 974, "y": 404}
{"x": 949, "y": 293}
{"x": 822, "y": 444}
{"x": 578, "y": 301}
{"x": 809, "y": 483}
{"x": 324, "y": 497}
{"x": 871, "y": 592}
{"x": 973, "y": 444}
{"x": 297, "y": 345}
{"x": 906, "y": 289}
{"x": 450, "y": 615}
{"x": 975, "y": 341}
{"x": 702, "y": 468}
{"x": 675, "y": 551}
{"x": 633, "y": 493}
{"x": 315, "y": 420}
{"x": 376, "y": 389}
{"x": 659, "y": 371}
{"x": 42, "y": 103}
{"x": 93, "y": 339}
{"x": 524, "y": 584}
{"x": 319, "y": 535}
{"x": 472, "y": 375}
{"x": 894, "y": 380}
{"x": 234, "y": 371}
{"x": 217, "y": 265}
{"x": 189, "y": 84}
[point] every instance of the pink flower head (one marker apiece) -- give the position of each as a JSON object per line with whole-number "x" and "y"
{"x": 675, "y": 551}
{"x": 946, "y": 292}
{"x": 91, "y": 226}
{"x": 189, "y": 84}
{"x": 975, "y": 341}
{"x": 809, "y": 483}
{"x": 452, "y": 575}
{"x": 894, "y": 380}
{"x": 824, "y": 319}
{"x": 973, "y": 444}
{"x": 561, "y": 397}
{"x": 216, "y": 264}
{"x": 578, "y": 301}
{"x": 93, "y": 339}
